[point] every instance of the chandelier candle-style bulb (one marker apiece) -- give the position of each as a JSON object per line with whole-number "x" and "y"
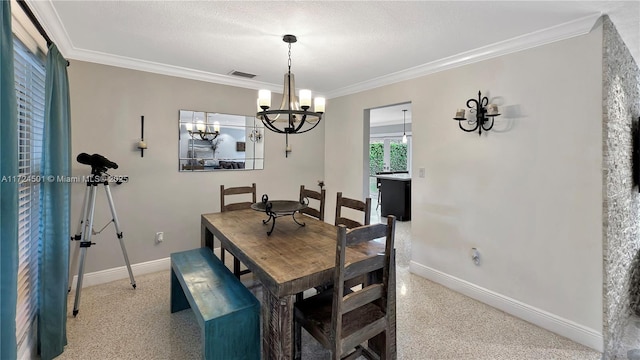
{"x": 492, "y": 109}
{"x": 305, "y": 98}
{"x": 188, "y": 126}
{"x": 200, "y": 126}
{"x": 460, "y": 114}
{"x": 319, "y": 105}
{"x": 264, "y": 98}
{"x": 216, "y": 127}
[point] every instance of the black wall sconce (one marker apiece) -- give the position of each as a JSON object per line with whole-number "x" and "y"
{"x": 484, "y": 112}
{"x": 142, "y": 144}
{"x": 255, "y": 135}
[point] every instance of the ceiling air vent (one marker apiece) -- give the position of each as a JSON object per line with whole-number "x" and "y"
{"x": 242, "y": 74}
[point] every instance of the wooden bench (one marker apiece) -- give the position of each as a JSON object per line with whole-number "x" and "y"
{"x": 228, "y": 314}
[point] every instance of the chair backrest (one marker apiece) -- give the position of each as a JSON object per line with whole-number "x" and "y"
{"x": 373, "y": 300}
{"x": 365, "y": 207}
{"x": 312, "y": 194}
{"x": 235, "y": 191}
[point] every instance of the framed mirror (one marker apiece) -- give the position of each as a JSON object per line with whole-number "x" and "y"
{"x": 211, "y": 141}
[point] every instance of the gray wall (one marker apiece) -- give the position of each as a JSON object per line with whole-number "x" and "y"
{"x": 621, "y": 108}
{"x": 106, "y": 105}
{"x": 527, "y": 194}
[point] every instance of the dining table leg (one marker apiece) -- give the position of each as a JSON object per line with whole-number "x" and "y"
{"x": 277, "y": 326}
{"x": 206, "y": 237}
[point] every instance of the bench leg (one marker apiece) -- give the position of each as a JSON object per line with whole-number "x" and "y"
{"x": 234, "y": 336}
{"x": 178, "y": 299}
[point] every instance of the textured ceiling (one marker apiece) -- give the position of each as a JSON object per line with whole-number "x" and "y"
{"x": 340, "y": 43}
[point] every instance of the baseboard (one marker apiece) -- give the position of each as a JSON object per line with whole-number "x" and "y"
{"x": 567, "y": 328}
{"x": 105, "y": 276}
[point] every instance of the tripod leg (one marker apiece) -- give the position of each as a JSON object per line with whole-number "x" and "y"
{"x": 85, "y": 242}
{"x": 83, "y": 215}
{"x": 119, "y": 233}
{"x": 82, "y": 222}
{"x": 74, "y": 263}
{"x": 76, "y": 304}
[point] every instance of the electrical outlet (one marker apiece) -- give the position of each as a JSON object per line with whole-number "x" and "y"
{"x": 159, "y": 237}
{"x": 475, "y": 256}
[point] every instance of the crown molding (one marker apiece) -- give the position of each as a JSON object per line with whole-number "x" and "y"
{"x": 541, "y": 37}
{"x": 171, "y": 70}
{"x": 48, "y": 17}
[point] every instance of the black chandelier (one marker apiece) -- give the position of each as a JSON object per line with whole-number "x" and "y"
{"x": 485, "y": 112}
{"x": 293, "y": 117}
{"x": 202, "y": 130}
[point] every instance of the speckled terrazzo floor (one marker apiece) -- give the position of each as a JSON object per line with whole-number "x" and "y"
{"x": 117, "y": 322}
{"x": 630, "y": 344}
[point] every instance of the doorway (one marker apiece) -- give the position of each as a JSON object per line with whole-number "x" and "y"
{"x": 389, "y": 149}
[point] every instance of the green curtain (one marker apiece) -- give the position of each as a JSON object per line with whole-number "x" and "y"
{"x": 55, "y": 201}
{"x": 8, "y": 190}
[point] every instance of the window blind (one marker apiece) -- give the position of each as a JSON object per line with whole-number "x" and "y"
{"x": 29, "y": 82}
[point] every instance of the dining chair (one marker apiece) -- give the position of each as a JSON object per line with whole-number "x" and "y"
{"x": 316, "y": 213}
{"x": 354, "y": 204}
{"x": 224, "y": 206}
{"x": 342, "y": 319}
{"x": 312, "y": 194}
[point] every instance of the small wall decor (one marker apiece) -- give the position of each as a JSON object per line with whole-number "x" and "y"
{"x": 240, "y": 146}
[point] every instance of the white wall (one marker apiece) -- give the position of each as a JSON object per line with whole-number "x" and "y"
{"x": 528, "y": 195}
{"x": 106, "y": 105}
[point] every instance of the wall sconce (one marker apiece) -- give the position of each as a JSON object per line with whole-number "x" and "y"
{"x": 202, "y": 130}
{"x": 255, "y": 135}
{"x": 142, "y": 144}
{"x": 484, "y": 112}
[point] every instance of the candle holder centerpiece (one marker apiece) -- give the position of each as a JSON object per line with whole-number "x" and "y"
{"x": 277, "y": 208}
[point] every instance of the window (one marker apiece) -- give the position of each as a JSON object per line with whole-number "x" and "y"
{"x": 29, "y": 82}
{"x": 388, "y": 154}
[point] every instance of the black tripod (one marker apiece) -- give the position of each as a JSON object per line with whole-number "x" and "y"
{"x": 99, "y": 165}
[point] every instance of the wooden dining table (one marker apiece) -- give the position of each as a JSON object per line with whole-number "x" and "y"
{"x": 291, "y": 260}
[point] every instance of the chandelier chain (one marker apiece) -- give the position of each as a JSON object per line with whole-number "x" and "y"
{"x": 289, "y": 63}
